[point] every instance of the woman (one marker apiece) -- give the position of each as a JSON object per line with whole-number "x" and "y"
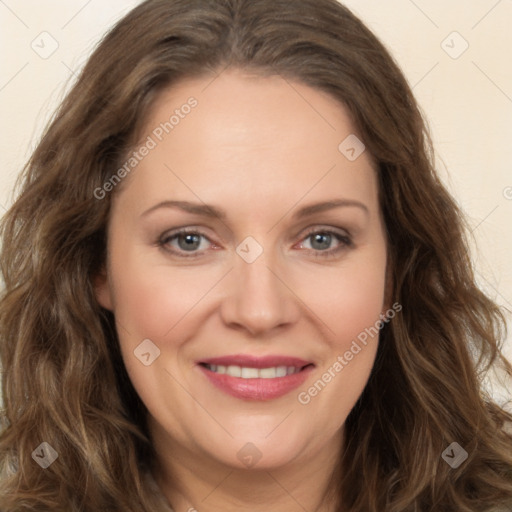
{"x": 234, "y": 281}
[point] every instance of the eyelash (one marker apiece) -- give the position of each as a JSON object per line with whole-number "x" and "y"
{"x": 345, "y": 242}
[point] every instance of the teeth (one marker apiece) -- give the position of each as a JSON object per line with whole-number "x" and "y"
{"x": 281, "y": 371}
{"x": 254, "y": 373}
{"x": 233, "y": 371}
{"x": 267, "y": 373}
{"x": 250, "y": 373}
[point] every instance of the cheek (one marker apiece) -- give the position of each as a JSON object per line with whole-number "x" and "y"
{"x": 347, "y": 299}
{"x": 350, "y": 306}
{"x": 153, "y": 298}
{"x": 153, "y": 301}
{"x": 359, "y": 305}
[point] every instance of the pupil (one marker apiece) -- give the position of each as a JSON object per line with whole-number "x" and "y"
{"x": 318, "y": 238}
{"x": 190, "y": 240}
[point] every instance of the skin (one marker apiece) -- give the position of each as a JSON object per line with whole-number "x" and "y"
{"x": 259, "y": 148}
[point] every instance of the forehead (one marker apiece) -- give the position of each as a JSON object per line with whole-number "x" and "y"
{"x": 249, "y": 137}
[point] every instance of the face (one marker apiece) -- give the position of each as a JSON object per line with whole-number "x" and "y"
{"x": 246, "y": 254}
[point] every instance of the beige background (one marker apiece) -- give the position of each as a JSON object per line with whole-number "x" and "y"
{"x": 454, "y": 53}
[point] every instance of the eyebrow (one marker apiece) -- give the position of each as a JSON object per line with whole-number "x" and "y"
{"x": 215, "y": 212}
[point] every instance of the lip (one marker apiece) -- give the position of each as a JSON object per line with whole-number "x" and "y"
{"x": 258, "y": 388}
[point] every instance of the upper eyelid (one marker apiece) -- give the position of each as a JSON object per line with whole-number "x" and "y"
{"x": 306, "y": 230}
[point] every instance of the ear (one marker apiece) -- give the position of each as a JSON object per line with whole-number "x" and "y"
{"x": 103, "y": 289}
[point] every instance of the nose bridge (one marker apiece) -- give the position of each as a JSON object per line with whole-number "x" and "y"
{"x": 257, "y": 299}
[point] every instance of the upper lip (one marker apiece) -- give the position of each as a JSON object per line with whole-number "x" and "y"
{"x": 249, "y": 361}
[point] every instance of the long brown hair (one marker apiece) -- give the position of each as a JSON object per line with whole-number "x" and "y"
{"x": 63, "y": 380}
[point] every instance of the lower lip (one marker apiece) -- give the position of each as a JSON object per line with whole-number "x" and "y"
{"x": 257, "y": 389}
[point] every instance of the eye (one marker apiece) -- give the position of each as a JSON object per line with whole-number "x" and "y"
{"x": 190, "y": 241}
{"x": 321, "y": 242}
{"x": 183, "y": 241}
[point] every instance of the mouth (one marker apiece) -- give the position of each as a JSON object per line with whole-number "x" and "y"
{"x": 253, "y": 378}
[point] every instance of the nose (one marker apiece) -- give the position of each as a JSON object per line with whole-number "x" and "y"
{"x": 258, "y": 299}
